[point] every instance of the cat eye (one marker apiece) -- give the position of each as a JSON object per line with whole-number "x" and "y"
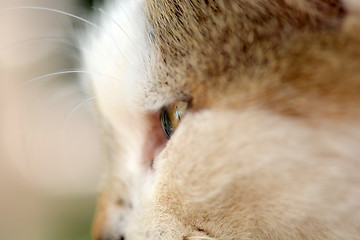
{"x": 171, "y": 116}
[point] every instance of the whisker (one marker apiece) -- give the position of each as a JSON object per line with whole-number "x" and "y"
{"x": 127, "y": 16}
{"x": 62, "y": 40}
{"x": 34, "y": 130}
{"x": 76, "y": 108}
{"x": 61, "y": 73}
{"x": 117, "y": 24}
{"x": 51, "y": 10}
{"x": 30, "y": 160}
{"x": 67, "y": 14}
{"x": 45, "y": 76}
{"x": 62, "y": 132}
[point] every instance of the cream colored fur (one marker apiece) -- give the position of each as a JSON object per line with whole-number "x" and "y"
{"x": 247, "y": 171}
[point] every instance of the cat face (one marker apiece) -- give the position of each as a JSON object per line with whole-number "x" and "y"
{"x": 228, "y": 120}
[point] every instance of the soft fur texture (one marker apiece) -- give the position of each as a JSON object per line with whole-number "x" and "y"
{"x": 270, "y": 145}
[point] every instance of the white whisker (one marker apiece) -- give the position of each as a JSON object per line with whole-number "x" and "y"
{"x": 117, "y": 24}
{"x": 128, "y": 18}
{"x": 51, "y": 10}
{"x": 64, "y": 13}
{"x": 69, "y": 116}
{"x": 62, "y": 132}
{"x": 46, "y": 76}
{"x": 37, "y": 126}
{"x": 61, "y": 73}
{"x": 62, "y": 40}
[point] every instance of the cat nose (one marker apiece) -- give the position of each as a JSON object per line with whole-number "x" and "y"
{"x": 100, "y": 231}
{"x": 118, "y": 238}
{"x": 100, "y": 228}
{"x": 106, "y": 220}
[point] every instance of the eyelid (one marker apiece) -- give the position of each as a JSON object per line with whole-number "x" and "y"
{"x": 155, "y": 139}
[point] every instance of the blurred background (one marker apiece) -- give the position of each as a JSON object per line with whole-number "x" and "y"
{"x": 50, "y": 154}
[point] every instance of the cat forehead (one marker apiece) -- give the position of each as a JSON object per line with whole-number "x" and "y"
{"x": 233, "y": 53}
{"x": 152, "y": 53}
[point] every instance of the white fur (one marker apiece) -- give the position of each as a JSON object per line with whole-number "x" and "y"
{"x": 118, "y": 53}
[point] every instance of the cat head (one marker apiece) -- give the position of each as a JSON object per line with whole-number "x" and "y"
{"x": 228, "y": 119}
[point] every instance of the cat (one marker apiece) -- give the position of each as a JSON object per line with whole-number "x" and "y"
{"x": 227, "y": 119}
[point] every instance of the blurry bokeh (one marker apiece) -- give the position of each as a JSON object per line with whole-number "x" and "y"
{"x": 50, "y": 154}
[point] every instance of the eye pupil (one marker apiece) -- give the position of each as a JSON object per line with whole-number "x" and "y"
{"x": 166, "y": 123}
{"x": 170, "y": 117}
